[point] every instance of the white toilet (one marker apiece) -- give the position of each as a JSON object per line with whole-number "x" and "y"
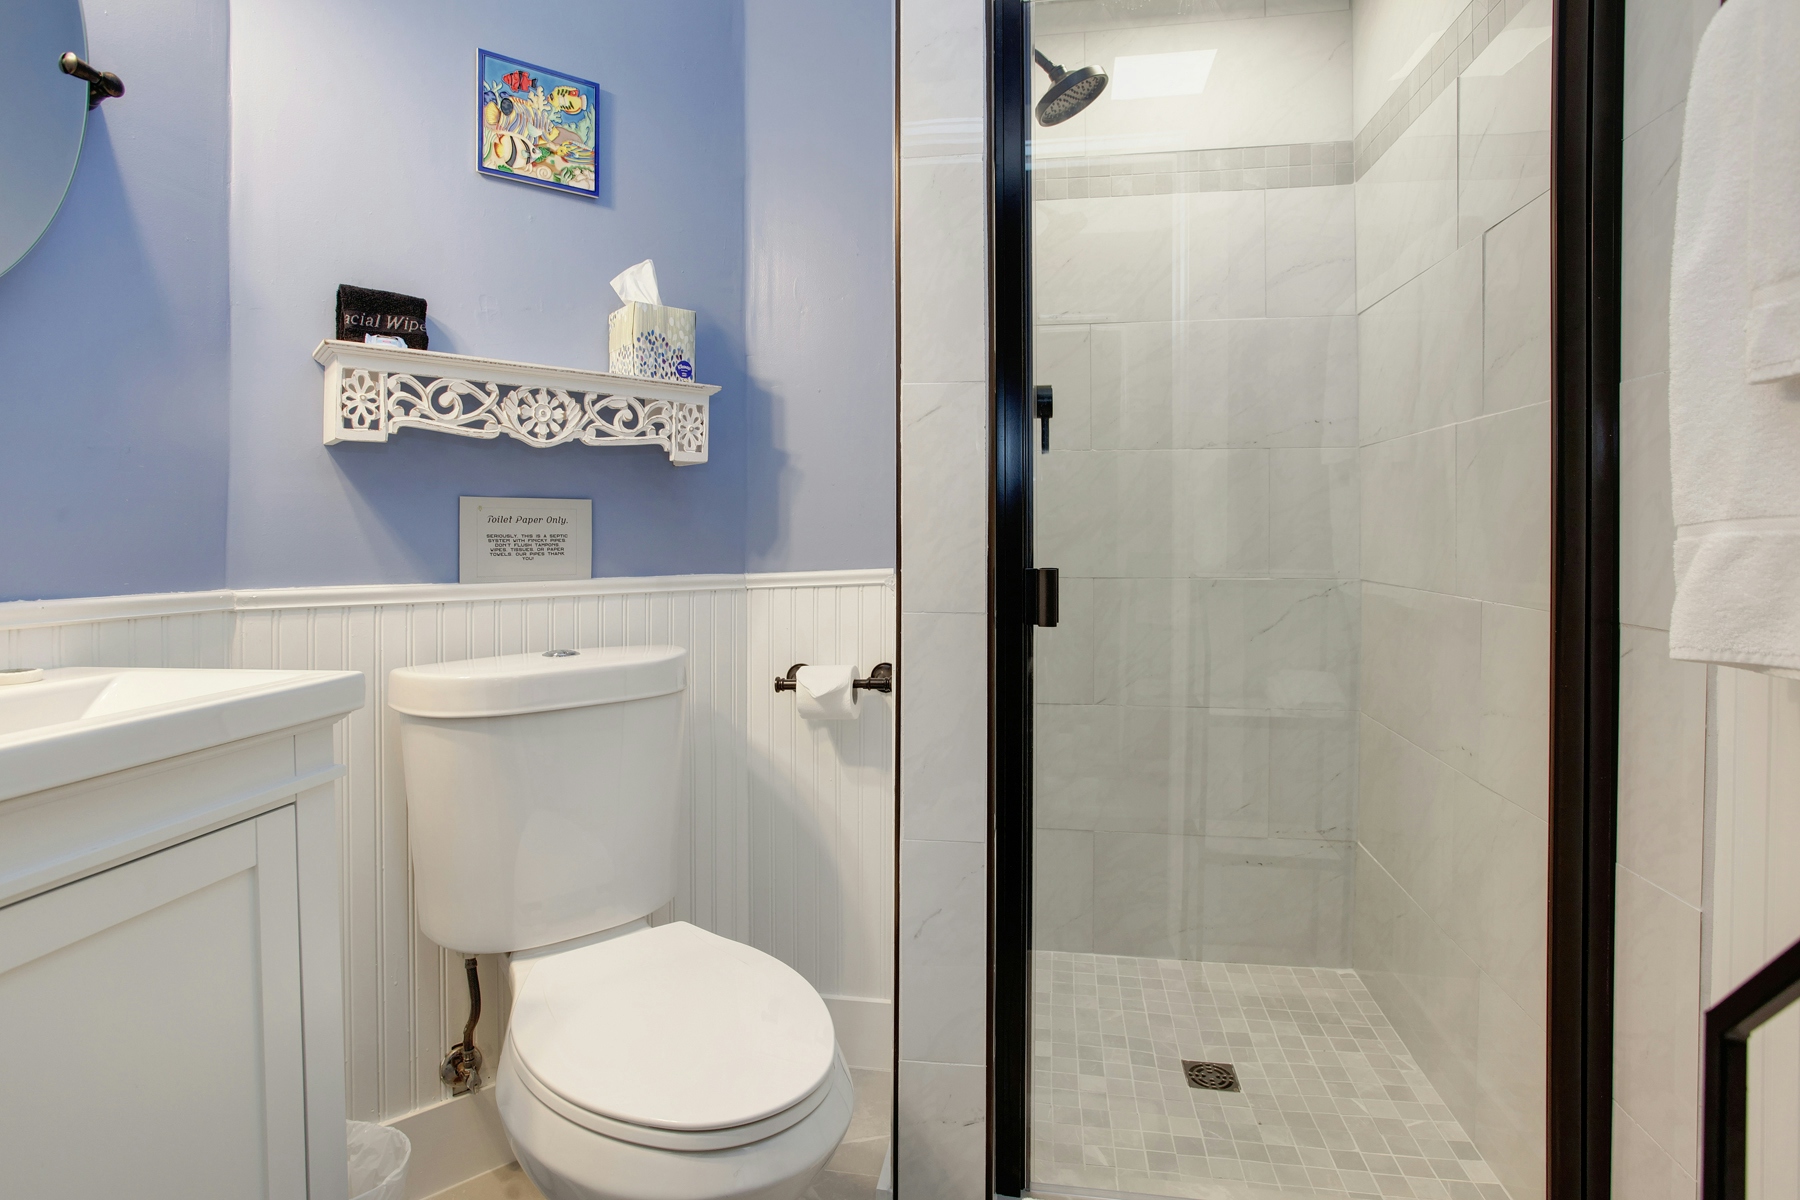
{"x": 640, "y": 1063}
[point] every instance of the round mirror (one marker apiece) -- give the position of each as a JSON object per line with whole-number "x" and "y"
{"x": 45, "y": 119}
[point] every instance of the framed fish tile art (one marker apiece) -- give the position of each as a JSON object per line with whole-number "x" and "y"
{"x": 536, "y": 125}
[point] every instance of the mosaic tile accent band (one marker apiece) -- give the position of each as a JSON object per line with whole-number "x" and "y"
{"x": 1467, "y": 36}
{"x": 1236, "y": 169}
{"x": 1333, "y": 1104}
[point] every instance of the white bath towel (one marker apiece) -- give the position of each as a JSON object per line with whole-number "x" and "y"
{"x": 1734, "y": 345}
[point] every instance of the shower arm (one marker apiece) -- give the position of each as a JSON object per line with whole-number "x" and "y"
{"x": 1051, "y": 69}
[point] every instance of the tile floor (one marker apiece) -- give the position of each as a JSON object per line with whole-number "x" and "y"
{"x": 852, "y": 1174}
{"x": 1332, "y": 1104}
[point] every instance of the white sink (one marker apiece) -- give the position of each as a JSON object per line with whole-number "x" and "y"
{"x": 80, "y": 722}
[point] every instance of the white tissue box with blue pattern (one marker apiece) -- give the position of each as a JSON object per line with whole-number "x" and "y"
{"x": 651, "y": 341}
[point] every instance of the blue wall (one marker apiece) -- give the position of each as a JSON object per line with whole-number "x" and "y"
{"x": 746, "y": 147}
{"x": 352, "y": 162}
{"x": 113, "y": 403}
{"x": 819, "y": 198}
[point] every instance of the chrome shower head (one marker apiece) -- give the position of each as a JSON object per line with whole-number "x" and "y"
{"x": 1070, "y": 91}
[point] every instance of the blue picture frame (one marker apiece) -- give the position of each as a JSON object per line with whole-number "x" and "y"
{"x": 534, "y": 125}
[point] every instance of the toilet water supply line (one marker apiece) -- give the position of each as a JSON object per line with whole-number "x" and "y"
{"x": 461, "y": 1071}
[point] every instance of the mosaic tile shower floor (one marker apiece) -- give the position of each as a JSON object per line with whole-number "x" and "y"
{"x": 1332, "y": 1102}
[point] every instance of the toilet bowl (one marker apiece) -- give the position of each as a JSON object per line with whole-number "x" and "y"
{"x": 640, "y": 1062}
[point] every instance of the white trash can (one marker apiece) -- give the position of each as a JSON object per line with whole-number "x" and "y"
{"x": 377, "y": 1161}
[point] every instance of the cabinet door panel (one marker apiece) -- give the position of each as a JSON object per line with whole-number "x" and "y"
{"x": 154, "y": 1011}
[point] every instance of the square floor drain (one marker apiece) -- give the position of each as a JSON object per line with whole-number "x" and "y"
{"x": 1212, "y": 1077}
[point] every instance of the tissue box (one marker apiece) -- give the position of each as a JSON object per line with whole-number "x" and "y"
{"x": 651, "y": 341}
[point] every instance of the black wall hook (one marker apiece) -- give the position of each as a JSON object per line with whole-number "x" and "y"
{"x": 102, "y": 85}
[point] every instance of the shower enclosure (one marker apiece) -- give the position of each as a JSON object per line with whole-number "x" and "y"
{"x": 1291, "y": 276}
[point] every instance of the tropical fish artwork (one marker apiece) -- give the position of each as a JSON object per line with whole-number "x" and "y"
{"x": 535, "y": 125}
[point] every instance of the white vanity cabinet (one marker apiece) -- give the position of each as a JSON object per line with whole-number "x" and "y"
{"x": 170, "y": 991}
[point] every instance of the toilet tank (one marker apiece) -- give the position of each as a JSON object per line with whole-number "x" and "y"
{"x": 541, "y": 792}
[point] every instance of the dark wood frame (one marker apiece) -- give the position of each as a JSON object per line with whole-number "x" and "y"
{"x": 1729, "y": 1024}
{"x": 1587, "y": 115}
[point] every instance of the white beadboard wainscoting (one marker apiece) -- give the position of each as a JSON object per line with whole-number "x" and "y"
{"x": 790, "y": 824}
{"x": 1755, "y": 895}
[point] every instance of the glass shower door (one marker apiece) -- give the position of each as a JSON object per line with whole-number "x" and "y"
{"x": 1290, "y": 293}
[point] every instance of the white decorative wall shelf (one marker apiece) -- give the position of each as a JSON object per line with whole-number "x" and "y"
{"x": 372, "y": 392}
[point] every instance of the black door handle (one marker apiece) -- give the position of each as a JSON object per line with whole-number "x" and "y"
{"x": 1046, "y": 599}
{"x": 1046, "y": 404}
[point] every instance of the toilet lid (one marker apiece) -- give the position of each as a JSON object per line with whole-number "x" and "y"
{"x": 672, "y": 1027}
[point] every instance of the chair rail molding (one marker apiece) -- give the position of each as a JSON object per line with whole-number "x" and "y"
{"x": 372, "y": 392}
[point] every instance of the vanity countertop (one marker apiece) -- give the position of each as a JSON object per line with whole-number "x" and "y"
{"x": 79, "y": 723}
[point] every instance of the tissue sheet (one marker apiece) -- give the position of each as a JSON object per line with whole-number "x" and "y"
{"x": 826, "y": 693}
{"x": 637, "y": 284}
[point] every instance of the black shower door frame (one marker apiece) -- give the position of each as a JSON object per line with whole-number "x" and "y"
{"x": 1588, "y": 48}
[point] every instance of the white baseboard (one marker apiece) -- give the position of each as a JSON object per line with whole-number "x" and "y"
{"x": 452, "y": 1143}
{"x": 865, "y": 1030}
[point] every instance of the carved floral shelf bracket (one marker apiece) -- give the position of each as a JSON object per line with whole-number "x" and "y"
{"x": 372, "y": 392}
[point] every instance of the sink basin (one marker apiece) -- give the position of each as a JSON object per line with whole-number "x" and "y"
{"x": 80, "y": 722}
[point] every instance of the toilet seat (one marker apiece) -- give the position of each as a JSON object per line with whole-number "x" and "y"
{"x": 672, "y": 1037}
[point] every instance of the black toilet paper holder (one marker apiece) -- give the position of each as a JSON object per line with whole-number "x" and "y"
{"x": 881, "y": 679}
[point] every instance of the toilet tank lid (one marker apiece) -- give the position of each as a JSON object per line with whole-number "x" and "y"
{"x": 537, "y": 682}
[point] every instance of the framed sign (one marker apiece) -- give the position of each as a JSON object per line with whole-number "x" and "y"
{"x": 535, "y": 125}
{"x": 511, "y": 539}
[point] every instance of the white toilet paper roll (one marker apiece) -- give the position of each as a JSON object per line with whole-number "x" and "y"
{"x": 826, "y": 694}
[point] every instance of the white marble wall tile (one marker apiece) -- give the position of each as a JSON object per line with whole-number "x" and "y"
{"x": 943, "y": 100}
{"x": 1062, "y": 360}
{"x": 1226, "y": 643}
{"x": 1154, "y": 513}
{"x": 943, "y": 951}
{"x": 1282, "y": 8}
{"x": 1405, "y": 817}
{"x": 1388, "y": 34}
{"x": 1657, "y": 1010}
{"x": 1062, "y": 905}
{"x": 1062, "y": 667}
{"x": 1503, "y": 507}
{"x": 1275, "y": 81}
{"x": 1149, "y": 258}
{"x": 1652, "y": 161}
{"x": 1075, "y": 16}
{"x": 1276, "y": 900}
{"x": 1660, "y": 39}
{"x": 1662, "y": 763}
{"x": 1421, "y": 650}
{"x": 945, "y": 479}
{"x": 943, "y": 271}
{"x": 1406, "y": 204}
{"x": 1420, "y": 360}
{"x": 1516, "y": 310}
{"x": 1296, "y": 377}
{"x": 1147, "y": 894}
{"x": 940, "y": 1131}
{"x": 1109, "y": 259}
{"x": 1314, "y": 498}
{"x": 1312, "y": 775}
{"x": 1152, "y": 770}
{"x": 1241, "y": 383}
{"x": 1408, "y": 510}
{"x": 1161, "y": 384}
{"x": 1220, "y": 248}
{"x": 1503, "y": 114}
{"x": 1425, "y": 984}
{"x": 1514, "y": 755}
{"x": 1646, "y": 518}
{"x": 1311, "y": 251}
{"x": 1510, "y": 1076}
{"x": 1499, "y": 892}
{"x": 1642, "y": 1169}
{"x": 943, "y": 711}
